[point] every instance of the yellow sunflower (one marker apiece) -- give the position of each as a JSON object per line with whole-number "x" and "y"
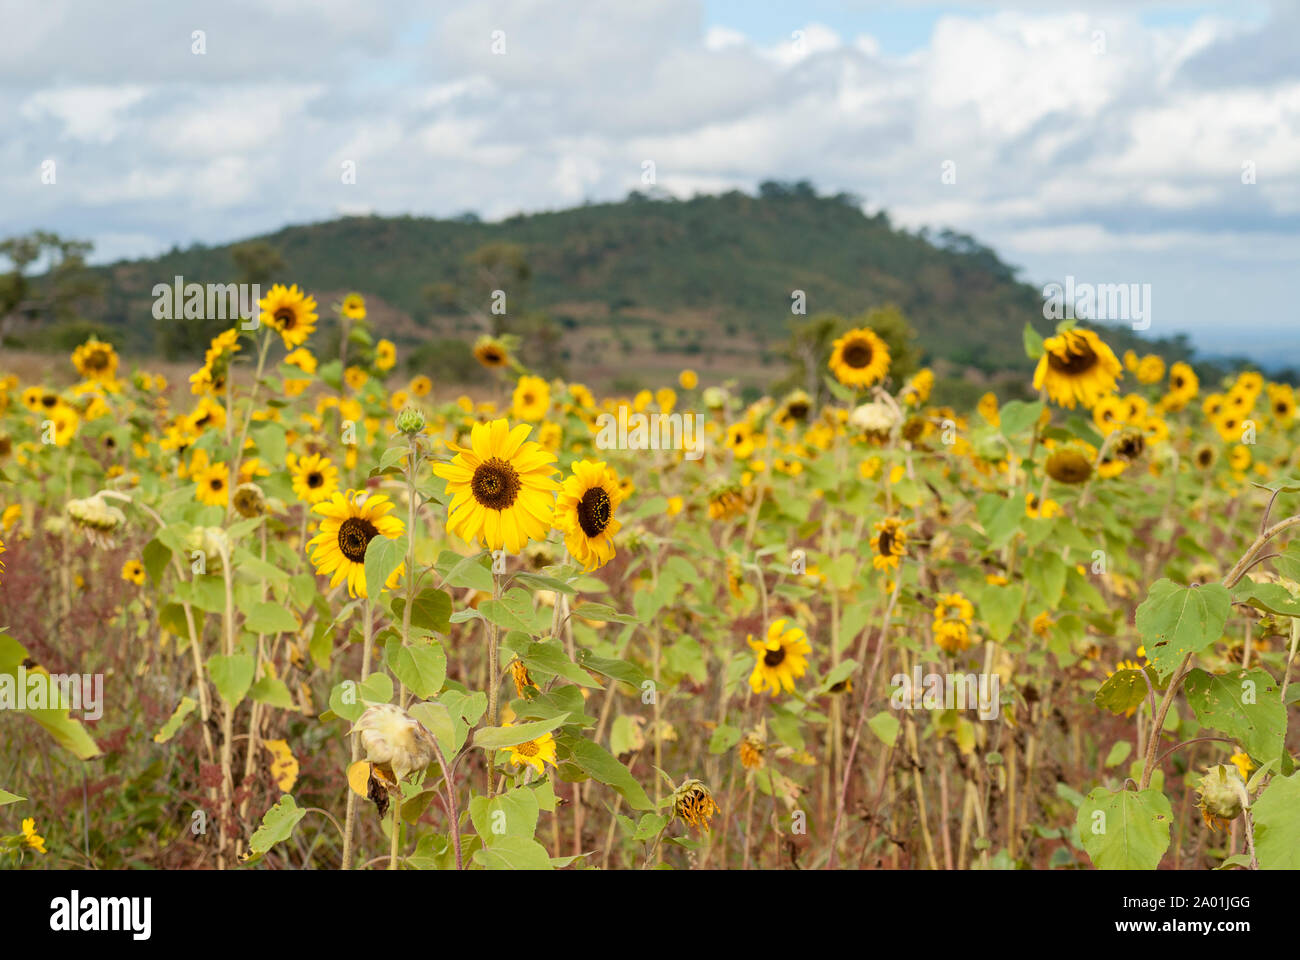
{"x": 354, "y": 307}
{"x": 585, "y": 512}
{"x": 532, "y": 398}
{"x": 952, "y": 618}
{"x": 355, "y": 377}
{"x": 859, "y": 358}
{"x": 291, "y": 312}
{"x": 421, "y": 386}
{"x": 491, "y": 352}
{"x": 1077, "y": 367}
{"x": 315, "y": 478}
{"x": 889, "y": 545}
{"x": 535, "y": 753}
{"x": 133, "y": 572}
{"x": 780, "y": 660}
{"x": 501, "y": 487}
{"x": 31, "y": 838}
{"x": 95, "y": 360}
{"x": 385, "y": 355}
{"x": 350, "y": 521}
{"x": 212, "y": 484}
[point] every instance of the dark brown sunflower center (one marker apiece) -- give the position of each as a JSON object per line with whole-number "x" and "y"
{"x": 1282, "y": 407}
{"x": 858, "y": 354}
{"x": 773, "y": 658}
{"x": 216, "y": 483}
{"x": 798, "y": 410}
{"x": 495, "y": 484}
{"x": 594, "y": 512}
{"x": 492, "y": 357}
{"x": 97, "y": 361}
{"x": 49, "y": 401}
{"x": 1078, "y": 360}
{"x": 1205, "y": 458}
{"x": 886, "y": 543}
{"x": 1130, "y": 446}
{"x": 287, "y": 319}
{"x": 1177, "y": 382}
{"x": 355, "y": 534}
{"x": 314, "y": 480}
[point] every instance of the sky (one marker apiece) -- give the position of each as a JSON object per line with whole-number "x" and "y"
{"x": 1139, "y": 142}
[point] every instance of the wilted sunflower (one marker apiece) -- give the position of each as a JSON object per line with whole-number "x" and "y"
{"x": 1069, "y": 465}
{"x": 212, "y": 484}
{"x": 694, "y": 804}
{"x": 532, "y": 398}
{"x": 726, "y": 502}
{"x": 291, "y": 312}
{"x": 95, "y": 360}
{"x": 501, "y": 487}
{"x": 781, "y": 659}
{"x": 1077, "y": 367}
{"x": 584, "y": 513}
{"x": 350, "y": 522}
{"x": 859, "y": 358}
{"x": 491, "y": 352}
{"x": 535, "y": 753}
{"x": 522, "y": 678}
{"x": 1130, "y": 444}
{"x": 889, "y": 545}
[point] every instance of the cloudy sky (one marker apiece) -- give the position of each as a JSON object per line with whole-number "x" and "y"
{"x": 1105, "y": 142}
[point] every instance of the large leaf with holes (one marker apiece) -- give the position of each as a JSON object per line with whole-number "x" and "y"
{"x": 1128, "y": 830}
{"x": 1245, "y": 704}
{"x": 1175, "y": 621}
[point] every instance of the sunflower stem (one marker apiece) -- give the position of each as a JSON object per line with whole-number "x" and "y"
{"x": 351, "y": 815}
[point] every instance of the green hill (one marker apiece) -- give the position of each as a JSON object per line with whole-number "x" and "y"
{"x": 626, "y": 290}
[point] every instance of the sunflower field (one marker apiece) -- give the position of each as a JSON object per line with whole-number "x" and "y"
{"x": 299, "y": 612}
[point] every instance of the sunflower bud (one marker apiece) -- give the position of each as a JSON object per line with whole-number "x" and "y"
{"x": 96, "y": 519}
{"x": 410, "y": 421}
{"x": 249, "y": 500}
{"x": 1068, "y": 466}
{"x": 693, "y": 802}
{"x": 394, "y": 741}
{"x": 715, "y": 398}
{"x": 1221, "y": 791}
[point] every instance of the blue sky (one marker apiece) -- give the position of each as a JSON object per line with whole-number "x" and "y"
{"x": 1105, "y": 141}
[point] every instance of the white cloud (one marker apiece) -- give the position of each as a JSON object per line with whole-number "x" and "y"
{"x": 1061, "y": 145}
